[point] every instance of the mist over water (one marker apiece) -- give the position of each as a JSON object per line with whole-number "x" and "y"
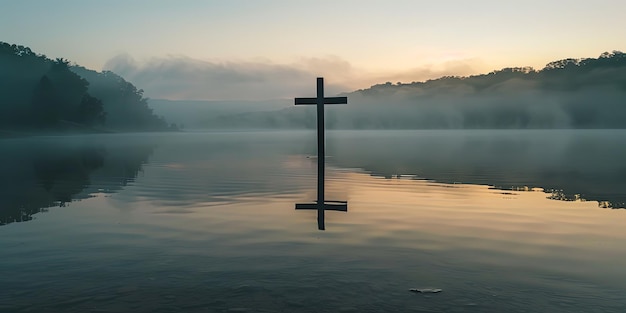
{"x": 510, "y": 106}
{"x": 205, "y": 221}
{"x": 505, "y": 107}
{"x": 45, "y": 172}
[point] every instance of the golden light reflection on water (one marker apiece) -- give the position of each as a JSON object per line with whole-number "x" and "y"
{"x": 473, "y": 211}
{"x": 485, "y": 225}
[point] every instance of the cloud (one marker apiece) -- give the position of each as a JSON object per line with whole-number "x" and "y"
{"x": 461, "y": 67}
{"x": 184, "y": 78}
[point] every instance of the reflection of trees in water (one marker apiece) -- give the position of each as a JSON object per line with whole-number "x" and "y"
{"x": 569, "y": 165}
{"x": 68, "y": 174}
{"x": 603, "y": 187}
{"x": 43, "y": 176}
{"x": 585, "y": 185}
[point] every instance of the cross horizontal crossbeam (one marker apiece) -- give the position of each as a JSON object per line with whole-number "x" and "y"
{"x": 327, "y": 205}
{"x": 327, "y": 100}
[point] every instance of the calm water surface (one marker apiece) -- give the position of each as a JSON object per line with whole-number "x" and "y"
{"x": 501, "y": 221}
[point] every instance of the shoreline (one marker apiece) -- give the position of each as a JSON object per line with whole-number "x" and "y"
{"x": 10, "y": 134}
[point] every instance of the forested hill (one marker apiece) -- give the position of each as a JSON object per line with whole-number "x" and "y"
{"x": 40, "y": 94}
{"x": 608, "y": 70}
{"x": 569, "y": 93}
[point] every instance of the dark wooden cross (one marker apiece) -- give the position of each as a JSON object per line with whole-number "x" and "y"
{"x": 321, "y": 205}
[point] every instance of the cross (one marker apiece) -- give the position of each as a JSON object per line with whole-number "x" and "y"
{"x": 321, "y": 205}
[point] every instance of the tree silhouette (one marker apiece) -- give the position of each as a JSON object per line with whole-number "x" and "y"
{"x": 90, "y": 111}
{"x": 45, "y": 104}
{"x": 41, "y": 93}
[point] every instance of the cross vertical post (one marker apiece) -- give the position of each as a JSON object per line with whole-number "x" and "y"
{"x": 321, "y": 148}
{"x": 321, "y": 205}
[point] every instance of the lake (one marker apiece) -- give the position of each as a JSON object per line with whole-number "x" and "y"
{"x": 499, "y": 220}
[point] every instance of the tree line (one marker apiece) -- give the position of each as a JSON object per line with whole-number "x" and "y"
{"x": 39, "y": 93}
{"x": 570, "y": 74}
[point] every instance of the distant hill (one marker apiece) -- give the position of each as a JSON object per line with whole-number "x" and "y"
{"x": 569, "y": 93}
{"x": 40, "y": 94}
{"x": 197, "y": 114}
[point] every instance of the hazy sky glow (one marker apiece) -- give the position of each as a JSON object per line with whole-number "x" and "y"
{"x": 373, "y": 41}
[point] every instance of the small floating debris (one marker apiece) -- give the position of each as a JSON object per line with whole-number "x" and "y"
{"x": 426, "y": 290}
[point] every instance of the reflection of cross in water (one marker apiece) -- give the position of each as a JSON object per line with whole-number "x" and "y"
{"x": 321, "y": 205}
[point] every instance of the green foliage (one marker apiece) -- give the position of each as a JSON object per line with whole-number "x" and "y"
{"x": 126, "y": 107}
{"x": 566, "y": 74}
{"x": 45, "y": 105}
{"x": 568, "y": 93}
{"x": 40, "y": 93}
{"x": 90, "y": 111}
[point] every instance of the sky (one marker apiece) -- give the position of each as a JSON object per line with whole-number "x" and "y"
{"x": 203, "y": 49}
